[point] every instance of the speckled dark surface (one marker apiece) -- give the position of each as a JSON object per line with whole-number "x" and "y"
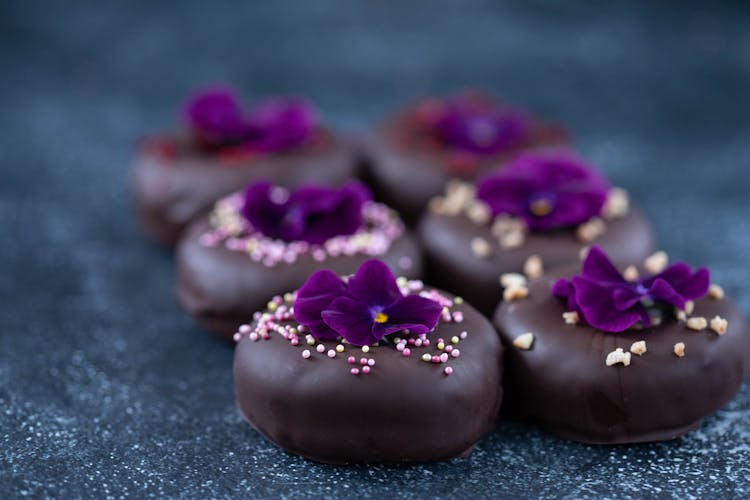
{"x": 107, "y": 389}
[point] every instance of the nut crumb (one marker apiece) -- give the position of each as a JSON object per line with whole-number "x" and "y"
{"x": 617, "y": 204}
{"x": 513, "y": 279}
{"x": 571, "y": 318}
{"x": 657, "y": 262}
{"x": 524, "y": 341}
{"x": 630, "y": 273}
{"x": 533, "y": 267}
{"x": 719, "y": 325}
{"x": 697, "y": 323}
{"x": 715, "y": 292}
{"x": 583, "y": 253}
{"x": 689, "y": 307}
{"x": 638, "y": 347}
{"x": 478, "y": 212}
{"x": 618, "y": 356}
{"x": 680, "y": 315}
{"x": 481, "y": 247}
{"x": 515, "y": 293}
{"x": 679, "y": 349}
{"x": 591, "y": 230}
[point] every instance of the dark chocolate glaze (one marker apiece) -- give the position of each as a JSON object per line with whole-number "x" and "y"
{"x": 222, "y": 288}
{"x": 406, "y": 178}
{"x": 405, "y": 410}
{"x": 169, "y": 193}
{"x": 451, "y": 263}
{"x": 563, "y": 384}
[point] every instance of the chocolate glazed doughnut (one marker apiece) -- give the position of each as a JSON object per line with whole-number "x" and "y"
{"x": 320, "y": 403}
{"x": 171, "y": 189}
{"x": 453, "y": 263}
{"x": 563, "y": 383}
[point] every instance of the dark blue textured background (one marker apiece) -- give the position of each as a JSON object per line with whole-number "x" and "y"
{"x": 106, "y": 388}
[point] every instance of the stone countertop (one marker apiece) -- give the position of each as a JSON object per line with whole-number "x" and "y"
{"x": 108, "y": 389}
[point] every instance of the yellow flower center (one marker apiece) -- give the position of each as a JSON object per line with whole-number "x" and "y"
{"x": 541, "y": 207}
{"x": 380, "y": 317}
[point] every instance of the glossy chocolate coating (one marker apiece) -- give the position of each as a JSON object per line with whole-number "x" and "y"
{"x": 563, "y": 384}
{"x": 404, "y": 410}
{"x": 451, "y": 263}
{"x": 222, "y": 288}
{"x": 169, "y": 193}
{"x": 407, "y": 178}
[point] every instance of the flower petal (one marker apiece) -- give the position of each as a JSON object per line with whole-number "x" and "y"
{"x": 417, "y": 314}
{"x": 315, "y": 296}
{"x": 374, "y": 284}
{"x": 596, "y": 302}
{"x": 351, "y": 319}
{"x": 663, "y": 291}
{"x": 263, "y": 213}
{"x": 597, "y": 266}
{"x": 689, "y": 285}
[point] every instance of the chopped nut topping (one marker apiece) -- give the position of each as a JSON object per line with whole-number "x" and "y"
{"x": 715, "y": 292}
{"x": 583, "y": 253}
{"x": 618, "y": 356}
{"x": 524, "y": 341}
{"x": 571, "y": 317}
{"x": 697, "y": 323}
{"x": 689, "y": 307}
{"x": 512, "y": 240}
{"x": 631, "y": 273}
{"x": 478, "y": 212}
{"x": 657, "y": 262}
{"x": 617, "y": 204}
{"x": 513, "y": 279}
{"x": 638, "y": 347}
{"x": 458, "y": 195}
{"x": 719, "y": 325}
{"x": 680, "y": 315}
{"x": 533, "y": 267}
{"x": 591, "y": 230}
{"x": 515, "y": 293}
{"x": 679, "y": 349}
{"x": 480, "y": 247}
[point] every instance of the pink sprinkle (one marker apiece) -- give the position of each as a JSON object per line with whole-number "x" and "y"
{"x": 448, "y": 348}
{"x": 400, "y": 346}
{"x": 354, "y": 371}
{"x": 331, "y": 353}
{"x": 464, "y": 334}
{"x": 253, "y": 336}
{"x": 458, "y": 316}
{"x": 365, "y": 369}
{"x": 371, "y": 362}
{"x": 448, "y": 370}
{"x": 407, "y": 352}
{"x": 266, "y": 336}
{"x": 237, "y": 337}
{"x": 425, "y": 342}
{"x": 435, "y": 359}
{"x": 244, "y": 328}
{"x": 456, "y": 353}
{"x": 320, "y": 348}
{"x": 418, "y": 342}
{"x": 411, "y": 341}
{"x": 351, "y": 360}
{"x": 404, "y": 263}
{"x": 444, "y": 357}
{"x": 294, "y": 341}
{"x": 441, "y": 340}
{"x": 306, "y": 353}
{"x": 363, "y": 361}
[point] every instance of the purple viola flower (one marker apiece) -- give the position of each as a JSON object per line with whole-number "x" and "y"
{"x": 605, "y": 300}
{"x": 216, "y": 118}
{"x": 363, "y": 310}
{"x": 313, "y": 214}
{"x": 481, "y": 127}
{"x": 280, "y": 125}
{"x": 547, "y": 190}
